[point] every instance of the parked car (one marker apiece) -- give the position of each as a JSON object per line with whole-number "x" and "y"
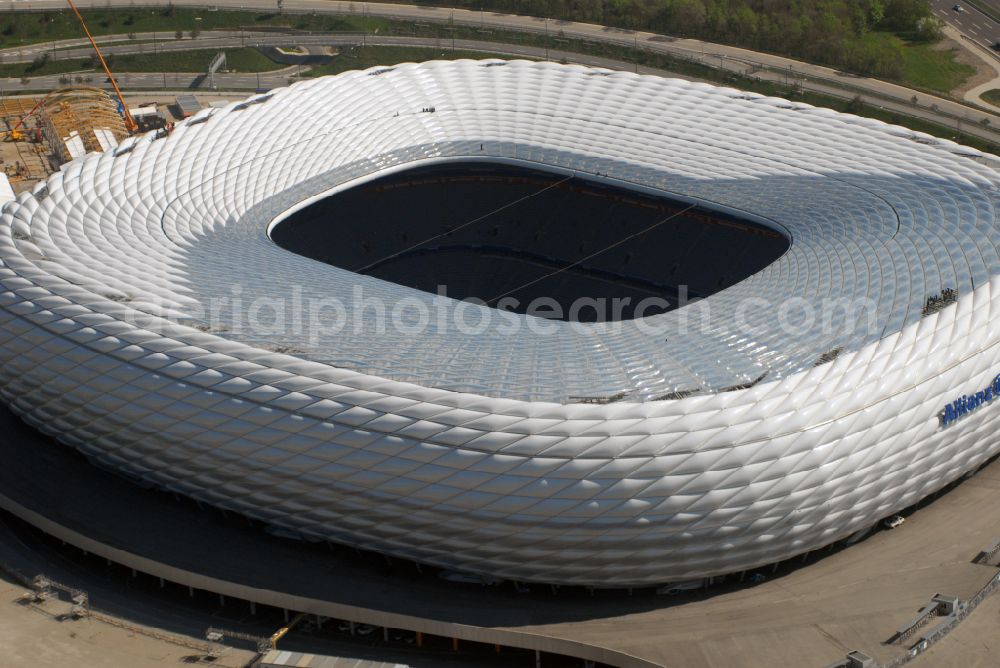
{"x": 402, "y": 636}
{"x": 679, "y": 587}
{"x": 893, "y": 522}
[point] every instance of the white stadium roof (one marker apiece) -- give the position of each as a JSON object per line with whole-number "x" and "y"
{"x": 460, "y": 449}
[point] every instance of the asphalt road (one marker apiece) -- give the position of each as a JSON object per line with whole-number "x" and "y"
{"x": 946, "y": 111}
{"x": 971, "y": 21}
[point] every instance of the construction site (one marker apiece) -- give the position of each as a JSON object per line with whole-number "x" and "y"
{"x": 42, "y": 134}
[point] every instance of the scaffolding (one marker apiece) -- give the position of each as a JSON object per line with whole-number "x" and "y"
{"x": 81, "y": 120}
{"x": 13, "y": 109}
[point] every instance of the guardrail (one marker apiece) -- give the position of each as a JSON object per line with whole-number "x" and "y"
{"x": 910, "y": 628}
{"x": 949, "y": 623}
{"x": 987, "y": 552}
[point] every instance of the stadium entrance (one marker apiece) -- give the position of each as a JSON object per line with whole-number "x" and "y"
{"x": 530, "y": 241}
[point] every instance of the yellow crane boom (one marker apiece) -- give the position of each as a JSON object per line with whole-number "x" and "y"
{"x": 130, "y": 123}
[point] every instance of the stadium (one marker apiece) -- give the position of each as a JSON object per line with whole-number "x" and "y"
{"x": 802, "y": 343}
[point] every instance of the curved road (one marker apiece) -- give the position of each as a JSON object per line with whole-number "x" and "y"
{"x": 816, "y": 78}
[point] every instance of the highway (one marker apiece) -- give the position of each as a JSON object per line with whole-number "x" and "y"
{"x": 971, "y": 21}
{"x": 812, "y": 77}
{"x": 968, "y": 122}
{"x": 889, "y": 97}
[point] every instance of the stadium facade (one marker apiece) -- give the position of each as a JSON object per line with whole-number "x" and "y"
{"x": 623, "y": 453}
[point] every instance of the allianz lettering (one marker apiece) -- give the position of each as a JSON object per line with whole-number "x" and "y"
{"x": 968, "y": 404}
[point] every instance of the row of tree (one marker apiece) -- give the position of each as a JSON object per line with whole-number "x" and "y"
{"x": 850, "y": 34}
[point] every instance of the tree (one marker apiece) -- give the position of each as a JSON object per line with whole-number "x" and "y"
{"x": 40, "y": 61}
{"x": 743, "y": 25}
{"x": 179, "y": 34}
{"x": 930, "y": 29}
{"x": 688, "y": 16}
{"x": 840, "y": 33}
{"x": 903, "y": 15}
{"x": 876, "y": 12}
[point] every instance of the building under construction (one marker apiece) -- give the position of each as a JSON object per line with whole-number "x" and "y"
{"x": 81, "y": 120}
{"x": 43, "y": 133}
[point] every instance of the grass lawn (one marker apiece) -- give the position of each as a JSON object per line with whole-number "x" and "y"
{"x": 248, "y": 60}
{"x": 241, "y": 60}
{"x": 924, "y": 67}
{"x": 17, "y": 28}
{"x": 362, "y": 58}
{"x": 933, "y": 69}
{"x": 992, "y": 96}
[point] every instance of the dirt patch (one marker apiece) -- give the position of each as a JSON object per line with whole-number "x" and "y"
{"x": 968, "y": 54}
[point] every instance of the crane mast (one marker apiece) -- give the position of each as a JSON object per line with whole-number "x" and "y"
{"x": 130, "y": 123}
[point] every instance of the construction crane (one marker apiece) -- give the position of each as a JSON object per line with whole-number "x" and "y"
{"x": 130, "y": 123}
{"x": 15, "y": 132}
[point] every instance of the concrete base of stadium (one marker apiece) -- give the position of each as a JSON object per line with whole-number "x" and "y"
{"x": 809, "y": 612}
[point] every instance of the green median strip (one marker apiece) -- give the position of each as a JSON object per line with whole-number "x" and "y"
{"x": 240, "y": 60}
{"x": 363, "y": 57}
{"x": 934, "y": 70}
